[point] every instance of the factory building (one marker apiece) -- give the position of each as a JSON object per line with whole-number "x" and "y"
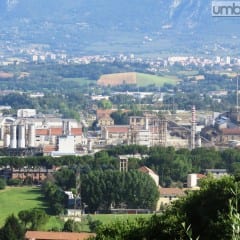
{"x": 40, "y": 133}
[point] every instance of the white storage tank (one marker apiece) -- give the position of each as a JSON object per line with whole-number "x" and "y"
{"x": 7, "y": 140}
{"x": 13, "y": 136}
{"x": 192, "y": 180}
{"x": 31, "y": 135}
{"x": 21, "y": 136}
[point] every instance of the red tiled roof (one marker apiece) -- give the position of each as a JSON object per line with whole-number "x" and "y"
{"x": 39, "y": 235}
{"x": 118, "y": 129}
{"x": 49, "y": 148}
{"x": 76, "y": 131}
{"x": 171, "y": 192}
{"x": 104, "y": 112}
{"x": 42, "y": 132}
{"x": 145, "y": 169}
{"x": 200, "y": 176}
{"x": 55, "y": 131}
{"x": 231, "y": 131}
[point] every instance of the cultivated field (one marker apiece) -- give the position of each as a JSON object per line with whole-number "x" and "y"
{"x": 6, "y": 75}
{"x": 118, "y": 79}
{"x": 141, "y": 79}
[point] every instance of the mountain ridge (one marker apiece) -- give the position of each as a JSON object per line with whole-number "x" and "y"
{"x": 131, "y": 24}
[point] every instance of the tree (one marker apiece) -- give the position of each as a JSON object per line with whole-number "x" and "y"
{"x": 210, "y": 213}
{"x": 65, "y": 178}
{"x": 2, "y": 183}
{"x": 69, "y": 226}
{"x": 133, "y": 189}
{"x": 55, "y": 196}
{"x": 105, "y": 104}
{"x": 33, "y": 219}
{"x": 12, "y": 229}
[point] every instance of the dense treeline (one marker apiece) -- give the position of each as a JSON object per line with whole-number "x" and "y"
{"x": 101, "y": 190}
{"x": 48, "y": 77}
{"x": 210, "y": 213}
{"x": 171, "y": 165}
{"x": 132, "y": 190}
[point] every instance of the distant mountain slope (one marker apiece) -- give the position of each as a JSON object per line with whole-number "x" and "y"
{"x": 113, "y": 25}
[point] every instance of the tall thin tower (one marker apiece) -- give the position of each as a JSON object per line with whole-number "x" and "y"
{"x": 193, "y": 128}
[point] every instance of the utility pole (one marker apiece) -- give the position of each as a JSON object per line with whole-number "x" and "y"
{"x": 77, "y": 189}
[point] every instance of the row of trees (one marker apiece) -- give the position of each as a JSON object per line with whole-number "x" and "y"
{"x": 210, "y": 213}
{"x": 101, "y": 190}
{"x": 171, "y": 165}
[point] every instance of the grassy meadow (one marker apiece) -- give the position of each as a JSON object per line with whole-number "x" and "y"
{"x": 109, "y": 218}
{"x": 149, "y": 79}
{"x": 15, "y": 199}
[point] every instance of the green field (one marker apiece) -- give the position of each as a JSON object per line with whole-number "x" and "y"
{"x": 109, "y": 218}
{"x": 15, "y": 199}
{"x": 149, "y": 79}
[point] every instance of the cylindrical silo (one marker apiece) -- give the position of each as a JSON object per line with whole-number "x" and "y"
{"x": 31, "y": 135}
{"x": 90, "y": 145}
{"x": 7, "y": 140}
{"x": 13, "y": 136}
{"x": 21, "y": 136}
{"x": 2, "y": 131}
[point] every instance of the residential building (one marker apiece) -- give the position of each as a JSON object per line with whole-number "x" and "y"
{"x": 168, "y": 195}
{"x": 151, "y": 173}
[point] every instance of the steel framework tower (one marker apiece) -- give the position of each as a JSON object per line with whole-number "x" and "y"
{"x": 193, "y": 128}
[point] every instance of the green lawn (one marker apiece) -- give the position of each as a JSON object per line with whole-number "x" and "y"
{"x": 109, "y": 218}
{"x": 15, "y": 199}
{"x": 147, "y": 79}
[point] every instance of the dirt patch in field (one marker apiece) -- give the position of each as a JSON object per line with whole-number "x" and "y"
{"x": 118, "y": 79}
{"x": 6, "y": 75}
